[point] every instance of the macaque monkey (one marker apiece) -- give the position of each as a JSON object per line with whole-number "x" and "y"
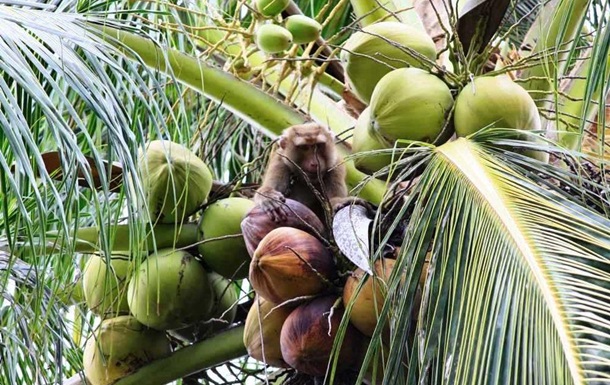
{"x": 304, "y": 157}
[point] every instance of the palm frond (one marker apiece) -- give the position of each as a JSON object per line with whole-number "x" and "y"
{"x": 517, "y": 281}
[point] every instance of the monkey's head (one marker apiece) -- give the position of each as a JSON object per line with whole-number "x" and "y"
{"x": 310, "y": 146}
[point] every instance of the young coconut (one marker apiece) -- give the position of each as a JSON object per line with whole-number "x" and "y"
{"x": 170, "y": 290}
{"x": 271, "y": 8}
{"x": 222, "y": 314}
{"x": 262, "y": 332}
{"x": 303, "y": 29}
{"x": 496, "y": 101}
{"x": 105, "y": 287}
{"x": 223, "y": 248}
{"x": 410, "y": 104}
{"x": 308, "y": 335}
{"x": 378, "y": 49}
{"x": 365, "y": 139}
{"x": 369, "y": 301}
{"x": 271, "y": 38}
{"x": 290, "y": 263}
{"x": 119, "y": 347}
{"x": 175, "y": 181}
{"x": 257, "y": 223}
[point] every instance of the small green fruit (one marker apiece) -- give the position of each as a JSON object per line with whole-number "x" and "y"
{"x": 272, "y": 38}
{"x": 271, "y": 8}
{"x": 119, "y": 347}
{"x": 410, "y": 104}
{"x": 228, "y": 255}
{"x": 378, "y": 49}
{"x": 303, "y": 29}
{"x": 105, "y": 287}
{"x": 176, "y": 182}
{"x": 364, "y": 140}
{"x": 170, "y": 290}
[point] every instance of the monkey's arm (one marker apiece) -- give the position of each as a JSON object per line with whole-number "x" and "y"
{"x": 336, "y": 191}
{"x": 276, "y": 182}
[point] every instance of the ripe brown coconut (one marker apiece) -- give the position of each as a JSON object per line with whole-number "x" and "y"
{"x": 369, "y": 301}
{"x": 308, "y": 335}
{"x": 262, "y": 332}
{"x": 257, "y": 223}
{"x": 290, "y": 263}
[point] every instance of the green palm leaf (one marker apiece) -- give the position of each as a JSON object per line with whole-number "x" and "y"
{"x": 517, "y": 282}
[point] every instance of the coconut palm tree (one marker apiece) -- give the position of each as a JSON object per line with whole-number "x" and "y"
{"x": 502, "y": 274}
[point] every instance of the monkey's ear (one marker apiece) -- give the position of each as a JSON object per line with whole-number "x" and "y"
{"x": 283, "y": 142}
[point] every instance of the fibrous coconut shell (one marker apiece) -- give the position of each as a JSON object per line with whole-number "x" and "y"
{"x": 308, "y": 335}
{"x": 257, "y": 223}
{"x": 290, "y": 263}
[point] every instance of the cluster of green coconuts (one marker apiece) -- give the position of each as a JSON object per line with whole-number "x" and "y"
{"x": 297, "y": 29}
{"x": 185, "y": 294}
{"x": 386, "y": 63}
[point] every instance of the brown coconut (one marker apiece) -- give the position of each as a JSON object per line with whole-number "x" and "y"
{"x": 308, "y": 335}
{"x": 369, "y": 301}
{"x": 290, "y": 263}
{"x": 262, "y": 332}
{"x": 257, "y": 223}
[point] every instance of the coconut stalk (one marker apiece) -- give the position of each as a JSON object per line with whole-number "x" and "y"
{"x": 223, "y": 347}
{"x": 241, "y": 98}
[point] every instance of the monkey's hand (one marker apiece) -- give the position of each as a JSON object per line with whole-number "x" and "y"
{"x": 272, "y": 203}
{"x": 339, "y": 203}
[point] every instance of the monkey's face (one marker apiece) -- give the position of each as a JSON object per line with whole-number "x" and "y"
{"x": 311, "y": 158}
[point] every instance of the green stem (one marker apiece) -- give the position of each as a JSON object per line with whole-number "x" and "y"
{"x": 87, "y": 239}
{"x": 241, "y": 98}
{"x": 223, "y": 347}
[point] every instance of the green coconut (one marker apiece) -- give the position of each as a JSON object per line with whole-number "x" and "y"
{"x": 410, "y": 104}
{"x": 223, "y": 312}
{"x": 496, "y": 101}
{"x": 271, "y": 8}
{"x": 271, "y": 38}
{"x": 119, "y": 347}
{"x": 223, "y": 248}
{"x": 175, "y": 181}
{"x": 170, "y": 290}
{"x": 105, "y": 287}
{"x": 365, "y": 139}
{"x": 303, "y": 29}
{"x": 378, "y": 49}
